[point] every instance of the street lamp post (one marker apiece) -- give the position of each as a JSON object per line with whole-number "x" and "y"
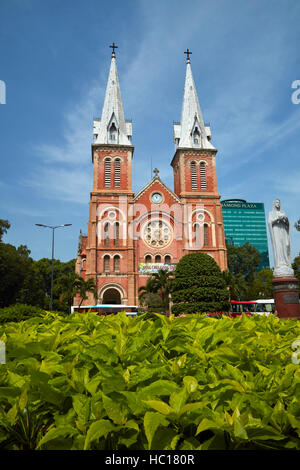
{"x": 53, "y": 227}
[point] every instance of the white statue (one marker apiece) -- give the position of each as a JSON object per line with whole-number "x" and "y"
{"x": 279, "y": 227}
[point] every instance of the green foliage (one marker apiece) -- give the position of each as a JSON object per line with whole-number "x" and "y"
{"x": 19, "y": 312}
{"x": 261, "y": 287}
{"x": 238, "y": 287}
{"x": 90, "y": 382}
{"x": 4, "y": 226}
{"x": 24, "y": 280}
{"x": 198, "y": 285}
{"x": 155, "y": 294}
{"x": 83, "y": 287}
{"x": 63, "y": 288}
{"x": 296, "y": 267}
{"x": 243, "y": 260}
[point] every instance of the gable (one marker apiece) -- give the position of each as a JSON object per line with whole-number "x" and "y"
{"x": 144, "y": 195}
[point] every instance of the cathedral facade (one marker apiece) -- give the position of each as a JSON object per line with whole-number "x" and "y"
{"x": 132, "y": 235}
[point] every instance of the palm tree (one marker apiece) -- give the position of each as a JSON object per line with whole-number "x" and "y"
{"x": 162, "y": 286}
{"x": 84, "y": 287}
{"x": 73, "y": 284}
{"x": 146, "y": 294}
{"x": 159, "y": 283}
{"x": 67, "y": 285}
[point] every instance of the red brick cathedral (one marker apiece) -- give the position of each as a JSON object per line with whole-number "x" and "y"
{"x": 133, "y": 235}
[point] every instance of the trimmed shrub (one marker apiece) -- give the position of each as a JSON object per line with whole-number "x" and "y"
{"x": 198, "y": 286}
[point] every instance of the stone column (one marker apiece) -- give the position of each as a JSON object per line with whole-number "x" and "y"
{"x": 286, "y": 296}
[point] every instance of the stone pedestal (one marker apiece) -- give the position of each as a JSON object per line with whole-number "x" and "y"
{"x": 286, "y": 296}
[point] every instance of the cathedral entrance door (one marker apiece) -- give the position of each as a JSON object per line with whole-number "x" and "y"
{"x": 111, "y": 296}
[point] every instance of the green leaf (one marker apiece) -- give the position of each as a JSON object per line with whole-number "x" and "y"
{"x": 23, "y": 399}
{"x": 100, "y": 428}
{"x": 15, "y": 380}
{"x": 81, "y": 405}
{"x": 196, "y": 406}
{"x": 178, "y": 399}
{"x": 239, "y": 430}
{"x": 161, "y": 388}
{"x": 59, "y": 432}
{"x": 159, "y": 406}
{"x": 208, "y": 424}
{"x": 190, "y": 383}
{"x": 113, "y": 410}
{"x": 151, "y": 422}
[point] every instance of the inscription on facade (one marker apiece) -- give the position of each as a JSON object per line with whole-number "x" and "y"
{"x": 292, "y": 298}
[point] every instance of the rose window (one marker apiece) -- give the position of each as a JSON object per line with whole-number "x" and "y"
{"x": 157, "y": 234}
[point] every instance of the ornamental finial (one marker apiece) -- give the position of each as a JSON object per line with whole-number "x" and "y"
{"x": 187, "y": 52}
{"x": 113, "y": 46}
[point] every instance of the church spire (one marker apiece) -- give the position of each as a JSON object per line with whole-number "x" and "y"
{"x": 112, "y": 127}
{"x": 191, "y": 132}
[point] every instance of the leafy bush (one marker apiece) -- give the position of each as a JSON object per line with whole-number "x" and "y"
{"x": 19, "y": 312}
{"x": 198, "y": 285}
{"x": 91, "y": 382}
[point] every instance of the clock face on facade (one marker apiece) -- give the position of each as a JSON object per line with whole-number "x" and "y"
{"x": 156, "y": 198}
{"x": 157, "y": 234}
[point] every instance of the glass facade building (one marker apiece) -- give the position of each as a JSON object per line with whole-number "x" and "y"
{"x": 246, "y": 222}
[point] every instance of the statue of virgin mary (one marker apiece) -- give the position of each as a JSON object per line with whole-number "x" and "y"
{"x": 280, "y": 236}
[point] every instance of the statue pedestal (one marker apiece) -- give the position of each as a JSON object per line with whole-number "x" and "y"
{"x": 286, "y": 296}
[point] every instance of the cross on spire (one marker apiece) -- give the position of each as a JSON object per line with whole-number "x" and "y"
{"x": 187, "y": 52}
{"x": 113, "y": 46}
{"x": 156, "y": 171}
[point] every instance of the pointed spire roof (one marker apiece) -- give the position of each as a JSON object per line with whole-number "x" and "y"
{"x": 191, "y": 132}
{"x": 112, "y": 128}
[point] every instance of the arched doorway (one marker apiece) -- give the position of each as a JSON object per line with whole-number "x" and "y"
{"x": 111, "y": 296}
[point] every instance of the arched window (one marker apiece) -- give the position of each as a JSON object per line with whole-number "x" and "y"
{"x": 116, "y": 234}
{"x": 167, "y": 259}
{"x": 193, "y": 175}
{"x": 113, "y": 133}
{"x": 157, "y": 259}
{"x": 106, "y": 263}
{"x": 197, "y": 236}
{"x": 205, "y": 235}
{"x": 203, "y": 175}
{"x": 117, "y": 263}
{"x": 106, "y": 234}
{"x": 117, "y": 173}
{"x": 107, "y": 172}
{"x": 196, "y": 136}
{"x": 148, "y": 259}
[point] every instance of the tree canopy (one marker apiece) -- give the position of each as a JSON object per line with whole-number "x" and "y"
{"x": 243, "y": 260}
{"x": 4, "y": 226}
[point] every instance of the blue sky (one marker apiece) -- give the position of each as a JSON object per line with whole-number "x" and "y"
{"x": 54, "y": 60}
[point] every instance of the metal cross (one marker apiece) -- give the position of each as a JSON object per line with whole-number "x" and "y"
{"x": 188, "y": 52}
{"x": 113, "y": 46}
{"x": 156, "y": 171}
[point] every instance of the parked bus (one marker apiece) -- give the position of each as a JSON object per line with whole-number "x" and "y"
{"x": 242, "y": 306}
{"x": 265, "y": 306}
{"x": 251, "y": 307}
{"x": 103, "y": 309}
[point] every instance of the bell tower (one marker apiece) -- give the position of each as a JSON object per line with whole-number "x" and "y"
{"x": 194, "y": 169}
{"x": 109, "y": 249}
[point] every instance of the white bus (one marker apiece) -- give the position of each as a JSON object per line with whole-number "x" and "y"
{"x": 264, "y": 306}
{"x": 107, "y": 309}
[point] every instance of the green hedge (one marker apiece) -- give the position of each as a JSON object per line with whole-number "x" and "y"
{"x": 90, "y": 382}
